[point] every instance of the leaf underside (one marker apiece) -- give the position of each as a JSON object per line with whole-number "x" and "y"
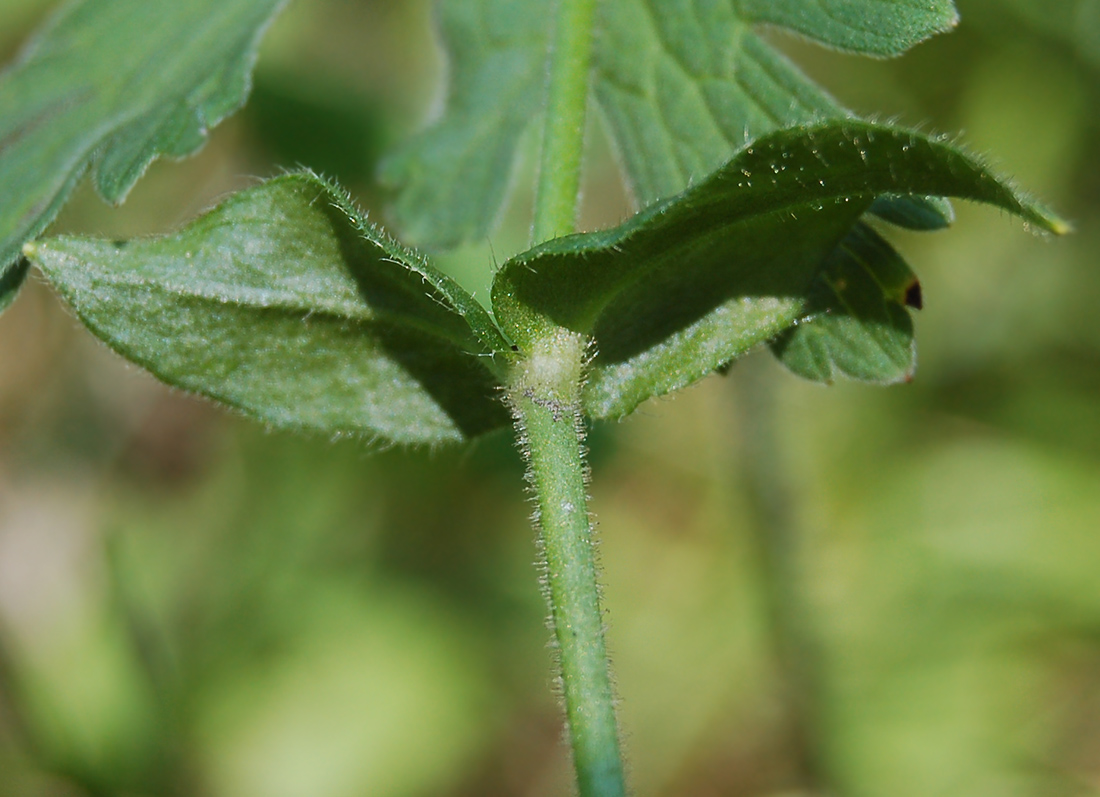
{"x": 856, "y": 322}
{"x": 690, "y": 284}
{"x": 681, "y": 84}
{"x": 285, "y": 304}
{"x": 111, "y": 85}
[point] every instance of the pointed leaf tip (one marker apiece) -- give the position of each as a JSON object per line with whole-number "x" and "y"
{"x": 1059, "y": 226}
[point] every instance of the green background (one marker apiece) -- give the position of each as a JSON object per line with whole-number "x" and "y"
{"x": 192, "y": 605}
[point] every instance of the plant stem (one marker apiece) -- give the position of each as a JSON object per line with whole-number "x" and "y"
{"x": 795, "y": 643}
{"x": 14, "y": 701}
{"x": 545, "y": 396}
{"x": 545, "y": 399}
{"x": 563, "y": 137}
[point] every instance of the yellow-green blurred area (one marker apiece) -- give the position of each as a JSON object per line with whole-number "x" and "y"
{"x": 851, "y": 590}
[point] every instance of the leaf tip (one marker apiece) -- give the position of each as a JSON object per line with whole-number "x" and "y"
{"x": 1035, "y": 215}
{"x": 30, "y": 249}
{"x": 1058, "y": 225}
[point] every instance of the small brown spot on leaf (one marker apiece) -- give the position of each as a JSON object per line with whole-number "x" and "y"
{"x": 913, "y": 297}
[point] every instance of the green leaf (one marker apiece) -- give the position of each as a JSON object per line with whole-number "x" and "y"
{"x": 856, "y": 320}
{"x": 111, "y": 85}
{"x": 455, "y": 175}
{"x": 872, "y": 27}
{"x": 915, "y": 213}
{"x": 284, "y": 303}
{"x": 11, "y": 281}
{"x": 682, "y": 85}
{"x": 688, "y": 285}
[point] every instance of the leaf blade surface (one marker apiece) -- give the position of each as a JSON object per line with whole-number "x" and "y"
{"x": 856, "y": 322}
{"x": 283, "y": 303}
{"x": 871, "y": 27}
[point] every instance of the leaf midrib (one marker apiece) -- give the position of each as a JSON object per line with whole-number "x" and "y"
{"x": 343, "y": 312}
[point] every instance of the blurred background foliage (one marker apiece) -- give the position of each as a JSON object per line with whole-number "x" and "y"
{"x": 857, "y": 590}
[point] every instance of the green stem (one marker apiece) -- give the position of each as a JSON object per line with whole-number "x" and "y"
{"x": 14, "y": 701}
{"x": 795, "y": 643}
{"x": 545, "y": 398}
{"x": 563, "y": 137}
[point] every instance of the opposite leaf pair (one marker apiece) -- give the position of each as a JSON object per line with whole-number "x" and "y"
{"x": 285, "y": 303}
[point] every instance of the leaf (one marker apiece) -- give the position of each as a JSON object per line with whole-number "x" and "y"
{"x": 915, "y": 213}
{"x": 111, "y": 85}
{"x": 285, "y": 304}
{"x": 682, "y": 85}
{"x": 873, "y": 27}
{"x": 688, "y": 285}
{"x": 455, "y": 175}
{"x": 10, "y": 283}
{"x": 856, "y": 320}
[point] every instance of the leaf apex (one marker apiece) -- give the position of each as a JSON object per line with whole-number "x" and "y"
{"x": 1058, "y": 225}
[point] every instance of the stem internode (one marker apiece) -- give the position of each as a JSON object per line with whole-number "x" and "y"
{"x": 546, "y": 402}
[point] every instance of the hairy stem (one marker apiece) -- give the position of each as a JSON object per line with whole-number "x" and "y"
{"x": 545, "y": 399}
{"x": 563, "y": 137}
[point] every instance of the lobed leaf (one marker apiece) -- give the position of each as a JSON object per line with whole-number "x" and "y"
{"x": 682, "y": 85}
{"x": 690, "y": 284}
{"x": 285, "y": 304}
{"x": 454, "y": 176}
{"x": 112, "y": 85}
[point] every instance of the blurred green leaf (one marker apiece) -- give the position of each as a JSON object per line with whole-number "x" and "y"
{"x": 112, "y": 85}
{"x": 871, "y": 27}
{"x": 453, "y": 177}
{"x": 11, "y": 281}
{"x": 856, "y": 323}
{"x": 285, "y": 303}
{"x": 690, "y": 284}
{"x": 682, "y": 85}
